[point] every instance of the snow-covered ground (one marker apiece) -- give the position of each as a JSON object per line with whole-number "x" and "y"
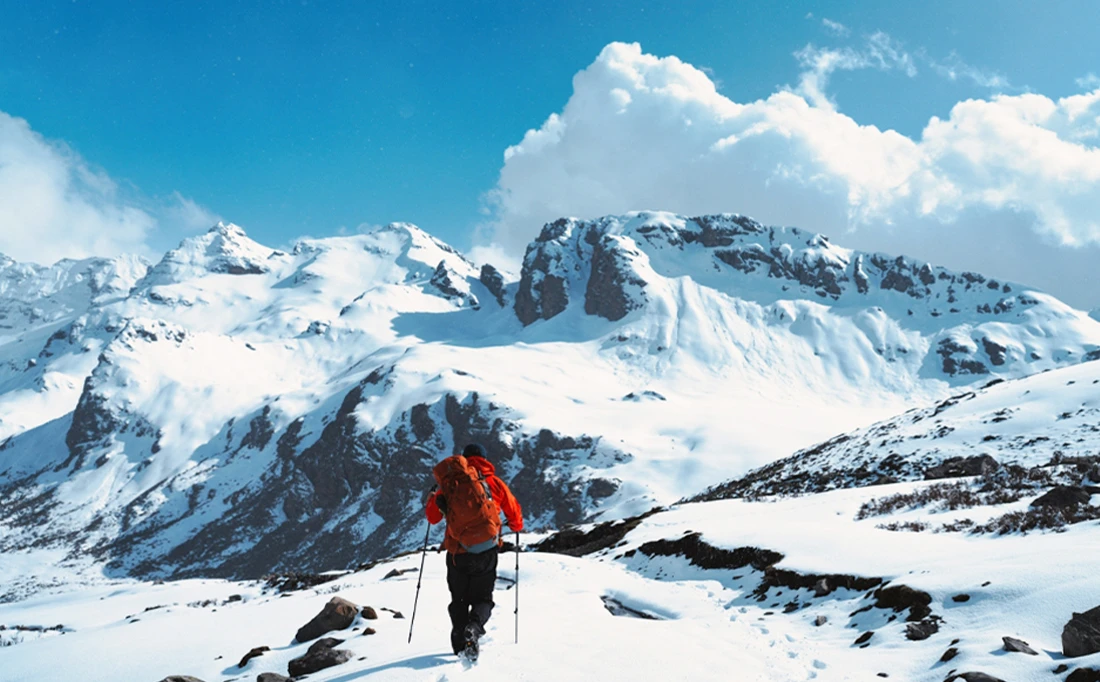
{"x": 707, "y": 623}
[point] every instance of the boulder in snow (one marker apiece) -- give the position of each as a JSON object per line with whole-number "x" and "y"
{"x": 337, "y": 615}
{"x": 1063, "y": 496}
{"x": 1018, "y": 645}
{"x": 1081, "y": 635}
{"x": 320, "y": 655}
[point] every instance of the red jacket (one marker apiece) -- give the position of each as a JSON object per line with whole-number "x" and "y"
{"x": 503, "y": 498}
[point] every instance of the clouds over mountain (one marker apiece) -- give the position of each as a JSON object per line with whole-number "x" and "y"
{"x": 642, "y": 131}
{"x": 54, "y": 204}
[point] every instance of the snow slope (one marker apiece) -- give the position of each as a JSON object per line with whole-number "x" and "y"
{"x": 241, "y": 409}
{"x": 701, "y": 623}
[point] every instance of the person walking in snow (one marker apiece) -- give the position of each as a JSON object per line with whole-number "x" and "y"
{"x": 471, "y": 497}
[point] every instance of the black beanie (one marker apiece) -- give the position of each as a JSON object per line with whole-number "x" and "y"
{"x": 473, "y": 450}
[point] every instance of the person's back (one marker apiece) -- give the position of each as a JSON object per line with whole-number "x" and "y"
{"x": 472, "y": 540}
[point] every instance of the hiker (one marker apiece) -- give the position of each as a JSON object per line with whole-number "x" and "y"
{"x": 471, "y": 497}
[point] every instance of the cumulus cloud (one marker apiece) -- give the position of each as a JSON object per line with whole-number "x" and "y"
{"x": 645, "y": 132}
{"x": 53, "y": 204}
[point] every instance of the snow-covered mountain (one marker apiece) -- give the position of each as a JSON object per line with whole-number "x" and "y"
{"x": 840, "y": 576}
{"x": 236, "y": 409}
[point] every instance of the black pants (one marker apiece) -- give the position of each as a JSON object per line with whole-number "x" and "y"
{"x": 471, "y": 578}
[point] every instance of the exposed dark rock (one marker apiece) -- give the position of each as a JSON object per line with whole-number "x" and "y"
{"x": 272, "y": 677}
{"x": 957, "y": 359}
{"x": 181, "y": 678}
{"x": 617, "y": 608}
{"x": 957, "y": 467}
{"x": 338, "y": 613}
{"x": 1081, "y": 635}
{"x": 292, "y": 582}
{"x": 901, "y": 597}
{"x": 399, "y": 572}
{"x": 1018, "y": 645}
{"x": 1084, "y": 675}
{"x": 865, "y": 637}
{"x": 493, "y": 281}
{"x": 321, "y": 655}
{"x": 613, "y": 289}
{"x": 995, "y": 351}
{"x": 542, "y": 293}
{"x": 575, "y": 542}
{"x": 949, "y": 654}
{"x": 974, "y": 677}
{"x": 260, "y": 431}
{"x": 777, "y": 577}
{"x": 1063, "y": 496}
{"x": 369, "y": 631}
{"x": 255, "y": 652}
{"x": 704, "y": 555}
{"x": 922, "y": 630}
{"x": 960, "y": 598}
{"x": 369, "y": 613}
{"x": 821, "y": 620}
{"x": 444, "y": 280}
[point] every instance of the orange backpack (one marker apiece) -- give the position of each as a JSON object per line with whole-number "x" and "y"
{"x": 473, "y": 519}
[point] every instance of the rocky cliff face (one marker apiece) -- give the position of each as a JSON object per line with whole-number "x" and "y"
{"x": 613, "y": 264}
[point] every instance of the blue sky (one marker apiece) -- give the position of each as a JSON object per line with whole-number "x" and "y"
{"x": 299, "y": 118}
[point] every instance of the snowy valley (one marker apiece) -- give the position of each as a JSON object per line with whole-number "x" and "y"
{"x": 743, "y": 442}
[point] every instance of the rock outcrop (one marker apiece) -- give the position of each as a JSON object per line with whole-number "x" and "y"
{"x": 337, "y": 614}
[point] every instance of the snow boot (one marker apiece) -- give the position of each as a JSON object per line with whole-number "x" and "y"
{"x": 472, "y": 634}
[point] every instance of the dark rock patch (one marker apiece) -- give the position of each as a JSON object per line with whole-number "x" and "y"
{"x": 369, "y": 613}
{"x": 493, "y": 281}
{"x": 293, "y": 582}
{"x": 1081, "y": 635}
{"x": 865, "y": 637}
{"x": 1018, "y": 646}
{"x": 949, "y": 654}
{"x": 960, "y": 598}
{"x": 617, "y": 608}
{"x": 320, "y": 655}
{"x": 901, "y": 597}
{"x": 922, "y": 630}
{"x": 613, "y": 289}
{"x": 1084, "y": 675}
{"x": 255, "y": 652}
{"x": 272, "y": 677}
{"x": 957, "y": 467}
{"x": 575, "y": 542}
{"x": 1063, "y": 496}
{"x": 974, "y": 677}
{"x": 704, "y": 555}
{"x": 338, "y": 613}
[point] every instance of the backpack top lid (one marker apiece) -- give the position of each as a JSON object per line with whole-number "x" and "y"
{"x": 474, "y": 450}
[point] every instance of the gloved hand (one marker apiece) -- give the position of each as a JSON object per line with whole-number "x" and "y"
{"x": 441, "y": 502}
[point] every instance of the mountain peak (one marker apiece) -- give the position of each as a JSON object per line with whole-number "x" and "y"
{"x": 224, "y": 249}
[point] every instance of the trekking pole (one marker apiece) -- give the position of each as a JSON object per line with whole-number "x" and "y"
{"x": 517, "y": 587}
{"x": 420, "y": 578}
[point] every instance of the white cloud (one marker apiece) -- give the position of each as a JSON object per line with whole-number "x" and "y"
{"x": 642, "y": 132}
{"x": 954, "y": 69}
{"x": 880, "y": 52}
{"x": 1089, "y": 82}
{"x": 836, "y": 28}
{"x": 54, "y": 205}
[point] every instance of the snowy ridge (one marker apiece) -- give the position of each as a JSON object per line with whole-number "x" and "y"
{"x": 1031, "y": 422}
{"x": 243, "y": 409}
